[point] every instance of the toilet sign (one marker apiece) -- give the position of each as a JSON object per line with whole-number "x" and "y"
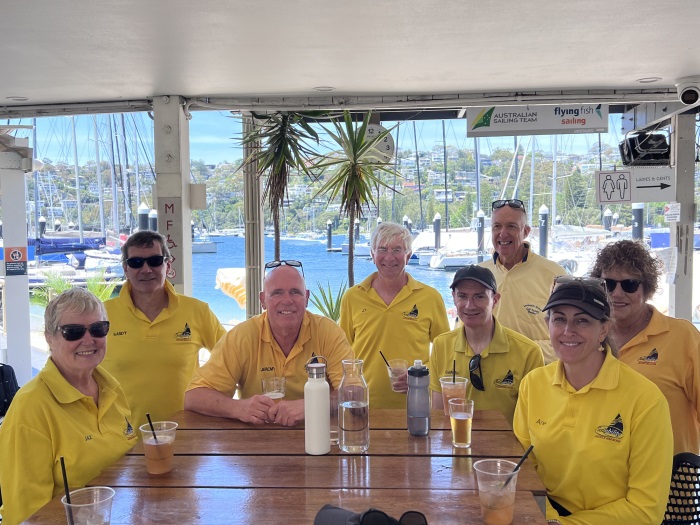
{"x": 636, "y": 184}
{"x": 16, "y": 260}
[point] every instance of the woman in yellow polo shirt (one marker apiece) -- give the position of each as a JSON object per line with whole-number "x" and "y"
{"x": 601, "y": 432}
{"x": 72, "y": 408}
{"x": 663, "y": 349}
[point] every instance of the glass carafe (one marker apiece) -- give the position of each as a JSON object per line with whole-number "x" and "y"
{"x": 353, "y": 408}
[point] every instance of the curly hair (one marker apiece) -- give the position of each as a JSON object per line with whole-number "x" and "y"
{"x": 630, "y": 257}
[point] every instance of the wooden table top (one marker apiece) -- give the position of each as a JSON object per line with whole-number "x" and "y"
{"x": 379, "y": 418}
{"x": 230, "y": 472}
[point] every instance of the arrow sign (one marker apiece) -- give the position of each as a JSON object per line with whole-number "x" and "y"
{"x": 660, "y": 186}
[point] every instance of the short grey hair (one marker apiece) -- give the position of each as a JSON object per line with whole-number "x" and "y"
{"x": 144, "y": 239}
{"x": 77, "y": 300}
{"x": 387, "y": 231}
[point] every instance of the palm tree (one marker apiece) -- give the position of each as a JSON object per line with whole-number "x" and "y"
{"x": 284, "y": 146}
{"x": 358, "y": 167}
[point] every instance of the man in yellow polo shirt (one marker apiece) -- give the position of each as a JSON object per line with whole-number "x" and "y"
{"x": 493, "y": 357}
{"x": 524, "y": 278}
{"x": 279, "y": 342}
{"x": 155, "y": 333}
{"x": 392, "y": 313}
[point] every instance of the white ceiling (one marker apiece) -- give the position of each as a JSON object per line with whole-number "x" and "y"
{"x": 78, "y": 51}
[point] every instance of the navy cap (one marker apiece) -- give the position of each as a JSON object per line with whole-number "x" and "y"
{"x": 475, "y": 273}
{"x": 588, "y": 298}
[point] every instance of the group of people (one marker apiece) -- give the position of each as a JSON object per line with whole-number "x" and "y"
{"x": 562, "y": 358}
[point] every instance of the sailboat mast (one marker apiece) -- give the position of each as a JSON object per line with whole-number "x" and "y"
{"x": 78, "y": 199}
{"x": 554, "y": 177}
{"x": 36, "y": 183}
{"x": 420, "y": 192}
{"x": 478, "y": 175}
{"x": 98, "y": 173}
{"x": 136, "y": 158}
{"x": 532, "y": 179}
{"x": 113, "y": 178}
{"x": 444, "y": 166}
{"x": 396, "y": 166}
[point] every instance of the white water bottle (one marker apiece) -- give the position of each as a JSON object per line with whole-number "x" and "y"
{"x": 317, "y": 411}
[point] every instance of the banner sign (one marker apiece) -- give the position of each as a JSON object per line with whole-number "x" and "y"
{"x": 496, "y": 121}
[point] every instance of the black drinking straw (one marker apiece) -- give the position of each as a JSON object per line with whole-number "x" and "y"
{"x": 65, "y": 487}
{"x": 387, "y": 362}
{"x": 522, "y": 460}
{"x": 454, "y": 370}
{"x": 150, "y": 424}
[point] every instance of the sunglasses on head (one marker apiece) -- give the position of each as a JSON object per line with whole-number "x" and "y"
{"x": 294, "y": 264}
{"x": 377, "y": 517}
{"x": 153, "y": 261}
{"x": 513, "y": 203}
{"x": 627, "y": 285}
{"x": 590, "y": 281}
{"x": 474, "y": 366}
{"x": 73, "y": 332}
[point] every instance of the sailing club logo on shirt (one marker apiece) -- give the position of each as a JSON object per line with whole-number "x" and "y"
{"x": 412, "y": 315}
{"x": 612, "y": 432}
{"x": 650, "y": 359}
{"x": 129, "y": 430}
{"x": 506, "y": 382}
{"x": 532, "y": 309}
{"x": 185, "y": 335}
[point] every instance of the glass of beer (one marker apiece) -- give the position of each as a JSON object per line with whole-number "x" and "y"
{"x": 461, "y": 413}
{"x": 273, "y": 387}
{"x": 452, "y": 388}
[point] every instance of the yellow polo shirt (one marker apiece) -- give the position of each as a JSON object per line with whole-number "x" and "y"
{"x": 504, "y": 363}
{"x": 525, "y": 290}
{"x": 402, "y": 330}
{"x": 667, "y": 352}
{"x": 603, "y": 452}
{"x": 154, "y": 361}
{"x": 249, "y": 352}
{"x": 48, "y": 419}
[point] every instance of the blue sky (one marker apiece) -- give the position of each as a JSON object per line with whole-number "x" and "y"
{"x": 213, "y": 137}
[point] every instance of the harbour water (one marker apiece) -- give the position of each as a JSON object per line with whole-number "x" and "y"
{"x": 320, "y": 267}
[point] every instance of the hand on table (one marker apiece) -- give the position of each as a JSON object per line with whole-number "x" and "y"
{"x": 255, "y": 409}
{"x": 287, "y": 413}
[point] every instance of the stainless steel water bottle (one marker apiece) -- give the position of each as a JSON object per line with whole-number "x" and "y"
{"x": 317, "y": 411}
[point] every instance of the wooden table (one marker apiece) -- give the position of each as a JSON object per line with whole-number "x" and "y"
{"x": 230, "y": 472}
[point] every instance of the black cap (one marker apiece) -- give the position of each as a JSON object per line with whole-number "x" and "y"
{"x": 475, "y": 273}
{"x": 588, "y": 298}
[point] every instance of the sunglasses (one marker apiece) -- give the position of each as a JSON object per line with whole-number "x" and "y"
{"x": 627, "y": 285}
{"x": 592, "y": 281}
{"x": 153, "y": 261}
{"x": 377, "y": 517}
{"x": 513, "y": 203}
{"x": 294, "y": 264}
{"x": 73, "y": 332}
{"x": 476, "y": 379}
